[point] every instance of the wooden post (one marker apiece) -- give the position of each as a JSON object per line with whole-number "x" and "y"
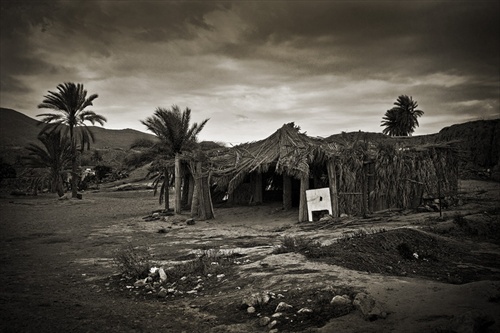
{"x": 371, "y": 186}
{"x": 332, "y": 180}
{"x": 287, "y": 192}
{"x": 304, "y": 186}
{"x": 195, "y": 204}
{"x": 185, "y": 189}
{"x": 178, "y": 184}
{"x": 206, "y": 211}
{"x": 364, "y": 191}
{"x": 190, "y": 190}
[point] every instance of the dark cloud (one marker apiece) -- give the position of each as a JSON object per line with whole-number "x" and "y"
{"x": 260, "y": 62}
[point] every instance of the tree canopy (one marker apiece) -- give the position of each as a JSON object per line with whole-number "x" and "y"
{"x": 173, "y": 128}
{"x": 402, "y": 119}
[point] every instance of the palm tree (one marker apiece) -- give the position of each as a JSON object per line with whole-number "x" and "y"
{"x": 402, "y": 119}
{"x": 173, "y": 129}
{"x": 70, "y": 102}
{"x": 55, "y": 155}
{"x": 96, "y": 156}
{"x": 160, "y": 156}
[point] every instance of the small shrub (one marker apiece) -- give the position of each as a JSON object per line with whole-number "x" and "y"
{"x": 133, "y": 262}
{"x": 296, "y": 244}
{"x": 102, "y": 171}
{"x": 306, "y": 246}
{"x": 211, "y": 261}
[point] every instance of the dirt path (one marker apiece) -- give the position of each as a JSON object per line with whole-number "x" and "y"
{"x": 57, "y": 271}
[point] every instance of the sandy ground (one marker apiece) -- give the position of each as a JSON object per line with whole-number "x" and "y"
{"x": 56, "y": 268}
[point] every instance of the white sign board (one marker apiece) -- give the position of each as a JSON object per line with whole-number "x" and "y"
{"x": 318, "y": 200}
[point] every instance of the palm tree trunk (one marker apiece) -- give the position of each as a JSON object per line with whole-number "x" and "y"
{"x": 74, "y": 166}
{"x": 178, "y": 184}
{"x": 59, "y": 186}
{"x": 166, "y": 195}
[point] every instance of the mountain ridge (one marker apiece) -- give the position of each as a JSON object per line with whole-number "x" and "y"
{"x": 18, "y": 130}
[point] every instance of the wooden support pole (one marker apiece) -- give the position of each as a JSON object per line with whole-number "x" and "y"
{"x": 195, "y": 203}
{"x": 190, "y": 190}
{"x": 206, "y": 211}
{"x": 304, "y": 186}
{"x": 364, "y": 205}
{"x": 332, "y": 180}
{"x": 287, "y": 192}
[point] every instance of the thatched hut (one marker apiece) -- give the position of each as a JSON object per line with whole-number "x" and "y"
{"x": 362, "y": 176}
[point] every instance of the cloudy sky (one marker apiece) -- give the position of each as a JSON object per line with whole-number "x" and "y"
{"x": 251, "y": 66}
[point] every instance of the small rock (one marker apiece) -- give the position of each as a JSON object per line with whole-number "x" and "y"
{"x": 171, "y": 290}
{"x": 162, "y": 293}
{"x": 340, "y": 300}
{"x": 190, "y": 222}
{"x": 370, "y": 309}
{"x": 282, "y": 306}
{"x": 264, "y": 321}
{"x": 274, "y": 330}
{"x": 261, "y": 298}
{"x": 272, "y": 324}
{"x": 343, "y": 215}
{"x": 277, "y": 314}
{"x": 140, "y": 283}
{"x": 251, "y": 309}
{"x": 163, "y": 275}
{"x": 305, "y": 310}
{"x": 155, "y": 215}
{"x": 220, "y": 276}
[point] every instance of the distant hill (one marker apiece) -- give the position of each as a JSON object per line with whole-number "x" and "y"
{"x": 17, "y": 130}
{"x": 479, "y": 139}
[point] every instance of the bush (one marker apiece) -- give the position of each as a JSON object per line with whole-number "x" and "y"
{"x": 137, "y": 159}
{"x": 308, "y": 247}
{"x": 102, "y": 171}
{"x": 212, "y": 261}
{"x": 133, "y": 262}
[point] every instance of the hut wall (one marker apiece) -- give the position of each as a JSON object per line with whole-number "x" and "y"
{"x": 394, "y": 178}
{"x": 403, "y": 178}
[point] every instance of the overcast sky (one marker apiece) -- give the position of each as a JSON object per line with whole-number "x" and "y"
{"x": 251, "y": 66}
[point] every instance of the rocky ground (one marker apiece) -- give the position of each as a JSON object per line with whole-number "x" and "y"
{"x": 252, "y": 269}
